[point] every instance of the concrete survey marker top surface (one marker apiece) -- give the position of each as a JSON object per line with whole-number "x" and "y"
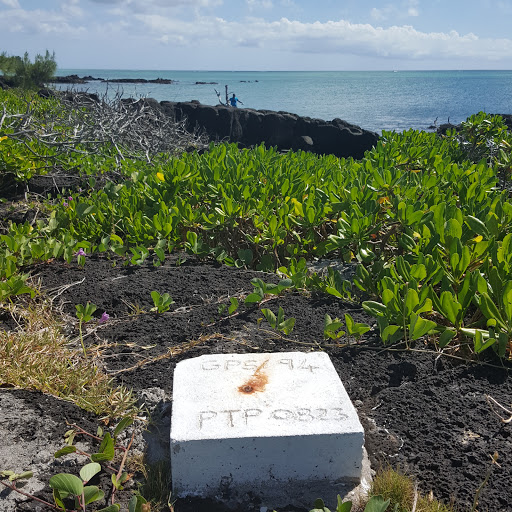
{"x": 259, "y": 395}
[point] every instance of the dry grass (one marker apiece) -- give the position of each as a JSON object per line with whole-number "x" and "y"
{"x": 404, "y": 496}
{"x": 180, "y": 349}
{"x": 38, "y": 356}
{"x": 157, "y": 484}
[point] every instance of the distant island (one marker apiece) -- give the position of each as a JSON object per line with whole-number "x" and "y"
{"x": 75, "y": 79}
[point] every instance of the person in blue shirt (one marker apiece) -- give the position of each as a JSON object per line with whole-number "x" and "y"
{"x": 233, "y": 100}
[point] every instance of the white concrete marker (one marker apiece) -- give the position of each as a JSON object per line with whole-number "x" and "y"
{"x": 278, "y": 426}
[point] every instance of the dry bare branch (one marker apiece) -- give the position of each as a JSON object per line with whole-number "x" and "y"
{"x": 84, "y": 123}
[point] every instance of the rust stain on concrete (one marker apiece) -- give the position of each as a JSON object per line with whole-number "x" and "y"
{"x": 256, "y": 383}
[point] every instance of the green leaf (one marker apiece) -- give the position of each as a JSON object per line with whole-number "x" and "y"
{"x": 480, "y": 345}
{"x": 156, "y": 297}
{"x": 116, "y": 483}
{"x": 234, "y": 305}
{"x": 64, "y": 451}
{"x": 67, "y": 483}
{"x": 136, "y": 502}
{"x": 332, "y": 291}
{"x": 375, "y": 309}
{"x": 377, "y": 504}
{"x": 450, "y": 308}
{"x": 476, "y": 225}
{"x": 125, "y": 422}
{"x": 439, "y": 211}
{"x": 392, "y": 333}
{"x": 503, "y": 343}
{"x": 115, "y": 238}
{"x": 507, "y": 302}
{"x": 246, "y": 256}
{"x": 418, "y": 272}
{"x": 92, "y": 493}
{"x": 284, "y": 284}
{"x": 490, "y": 310}
{"x": 280, "y": 316}
{"x": 343, "y": 507}
{"x": 419, "y": 326}
{"x": 425, "y": 307}
{"x": 271, "y": 318}
{"x": 253, "y": 298}
{"x": 453, "y": 229}
{"x": 355, "y": 328}
{"x": 349, "y": 322}
{"x": 445, "y": 338}
{"x": 287, "y": 325}
{"x": 58, "y": 497}
{"x": 111, "y": 508}
{"x": 106, "y": 450}
{"x": 89, "y": 470}
{"x": 334, "y": 326}
{"x": 403, "y": 268}
{"x": 411, "y": 301}
{"x": 478, "y": 283}
{"x": 388, "y": 296}
{"x": 16, "y": 476}
{"x": 319, "y": 506}
{"x": 24, "y": 475}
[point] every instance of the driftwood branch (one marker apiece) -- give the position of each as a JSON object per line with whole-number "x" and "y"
{"x": 83, "y": 123}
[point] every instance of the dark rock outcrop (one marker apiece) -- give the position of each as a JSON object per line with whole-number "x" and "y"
{"x": 138, "y": 81}
{"x": 75, "y": 79}
{"x": 286, "y": 131}
{"x": 69, "y": 79}
{"x": 249, "y": 127}
{"x": 443, "y": 128}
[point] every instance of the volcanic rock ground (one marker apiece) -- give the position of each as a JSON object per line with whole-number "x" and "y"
{"x": 425, "y": 413}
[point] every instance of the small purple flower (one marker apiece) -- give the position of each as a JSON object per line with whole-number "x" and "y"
{"x": 65, "y": 204}
{"x": 80, "y": 252}
{"x": 104, "y": 317}
{"x": 70, "y": 198}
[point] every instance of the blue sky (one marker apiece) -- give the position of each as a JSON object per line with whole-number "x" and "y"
{"x": 262, "y": 34}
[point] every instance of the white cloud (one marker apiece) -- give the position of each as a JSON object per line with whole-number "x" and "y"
{"x": 413, "y": 8}
{"x": 332, "y": 37}
{"x": 149, "y": 24}
{"x": 381, "y": 14}
{"x": 258, "y": 4}
{"x": 72, "y": 9}
{"x": 38, "y": 22}
{"x": 11, "y": 3}
{"x": 408, "y": 8}
{"x": 148, "y": 5}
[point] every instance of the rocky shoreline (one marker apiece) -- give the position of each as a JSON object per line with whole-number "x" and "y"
{"x": 249, "y": 127}
{"x": 75, "y": 79}
{"x": 283, "y": 130}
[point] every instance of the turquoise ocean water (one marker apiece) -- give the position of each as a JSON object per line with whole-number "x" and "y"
{"x": 374, "y": 100}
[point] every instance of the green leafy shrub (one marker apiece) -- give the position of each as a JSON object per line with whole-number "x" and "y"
{"x": 22, "y": 72}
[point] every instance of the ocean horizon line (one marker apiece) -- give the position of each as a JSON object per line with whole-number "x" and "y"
{"x": 292, "y": 70}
